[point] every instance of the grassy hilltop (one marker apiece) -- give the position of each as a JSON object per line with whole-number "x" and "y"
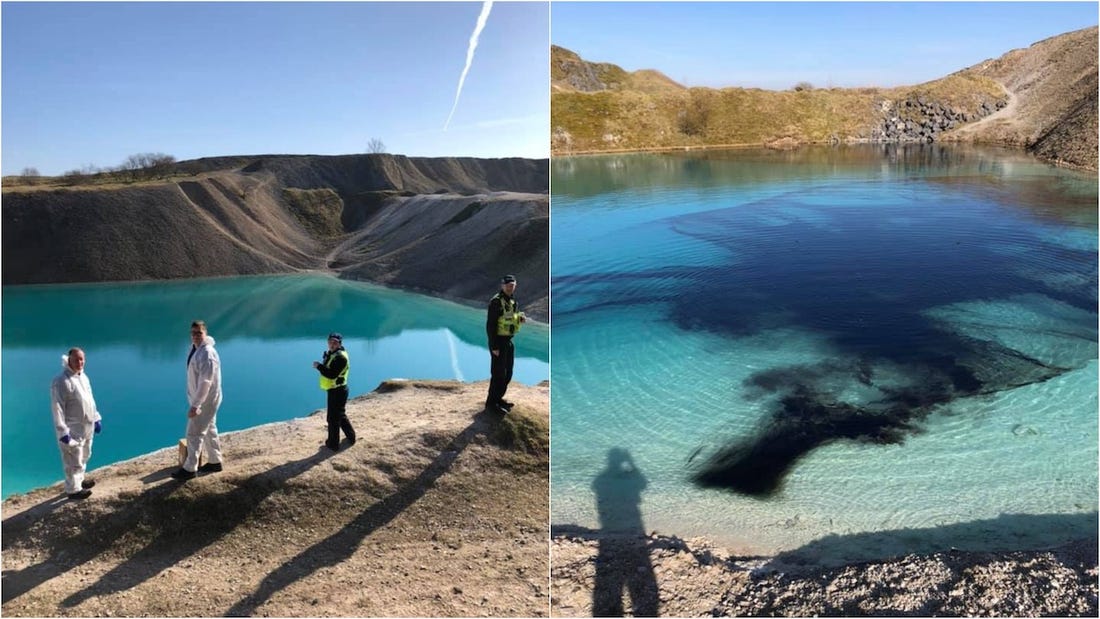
{"x": 1042, "y": 98}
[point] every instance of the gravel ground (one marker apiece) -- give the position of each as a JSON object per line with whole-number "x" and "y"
{"x": 439, "y": 509}
{"x": 671, "y": 576}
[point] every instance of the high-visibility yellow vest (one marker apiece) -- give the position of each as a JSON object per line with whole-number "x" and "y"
{"x": 508, "y": 323}
{"x": 342, "y": 379}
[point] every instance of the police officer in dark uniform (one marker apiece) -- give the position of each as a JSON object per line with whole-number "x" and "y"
{"x": 334, "y": 368}
{"x": 503, "y": 321}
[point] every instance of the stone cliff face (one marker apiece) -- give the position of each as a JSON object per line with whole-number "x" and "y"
{"x": 474, "y": 220}
{"x": 921, "y": 119}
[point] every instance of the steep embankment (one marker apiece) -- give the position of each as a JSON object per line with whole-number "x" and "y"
{"x": 419, "y": 242}
{"x": 439, "y": 509}
{"x": 279, "y": 214}
{"x": 190, "y": 229}
{"x": 598, "y": 107}
{"x": 1054, "y": 87}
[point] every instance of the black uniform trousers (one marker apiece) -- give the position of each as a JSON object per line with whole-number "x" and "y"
{"x": 337, "y": 416}
{"x": 501, "y": 372}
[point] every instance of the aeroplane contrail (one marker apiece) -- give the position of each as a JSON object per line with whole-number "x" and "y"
{"x": 481, "y": 19}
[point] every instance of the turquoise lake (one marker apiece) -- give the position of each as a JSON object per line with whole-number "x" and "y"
{"x": 828, "y": 353}
{"x": 268, "y": 330}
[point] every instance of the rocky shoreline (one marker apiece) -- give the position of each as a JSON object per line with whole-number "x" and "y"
{"x": 692, "y": 577}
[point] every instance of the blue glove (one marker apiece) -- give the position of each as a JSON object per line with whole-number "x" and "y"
{"x": 65, "y": 439}
{"x": 98, "y": 427}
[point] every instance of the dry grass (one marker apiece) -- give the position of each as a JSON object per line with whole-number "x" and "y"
{"x": 700, "y": 117}
{"x": 598, "y": 107}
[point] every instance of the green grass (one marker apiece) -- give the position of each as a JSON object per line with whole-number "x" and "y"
{"x": 318, "y": 210}
{"x": 522, "y": 431}
{"x": 471, "y": 209}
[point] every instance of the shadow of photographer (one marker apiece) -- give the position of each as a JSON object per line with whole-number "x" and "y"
{"x": 622, "y": 561}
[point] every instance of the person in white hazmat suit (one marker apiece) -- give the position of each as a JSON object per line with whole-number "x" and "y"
{"x": 76, "y": 420}
{"x": 204, "y": 395}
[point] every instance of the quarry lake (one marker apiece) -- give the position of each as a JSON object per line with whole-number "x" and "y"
{"x": 268, "y": 330}
{"x": 833, "y": 354}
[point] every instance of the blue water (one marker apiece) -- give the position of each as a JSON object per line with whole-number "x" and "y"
{"x": 893, "y": 345}
{"x": 268, "y": 330}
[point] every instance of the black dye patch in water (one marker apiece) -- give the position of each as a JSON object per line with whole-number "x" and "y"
{"x": 865, "y": 283}
{"x": 756, "y": 466}
{"x": 807, "y": 416}
{"x": 867, "y": 289}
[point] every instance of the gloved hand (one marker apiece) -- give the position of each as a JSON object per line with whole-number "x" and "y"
{"x": 98, "y": 427}
{"x": 65, "y": 439}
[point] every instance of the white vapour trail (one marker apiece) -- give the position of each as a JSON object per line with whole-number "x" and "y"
{"x": 454, "y": 357}
{"x": 481, "y": 19}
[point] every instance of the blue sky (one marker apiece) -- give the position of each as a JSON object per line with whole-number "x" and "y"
{"x": 775, "y": 45}
{"x": 93, "y": 83}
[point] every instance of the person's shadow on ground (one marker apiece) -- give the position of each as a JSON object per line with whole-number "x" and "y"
{"x": 209, "y": 517}
{"x": 341, "y": 545}
{"x": 67, "y": 553}
{"x": 622, "y": 562}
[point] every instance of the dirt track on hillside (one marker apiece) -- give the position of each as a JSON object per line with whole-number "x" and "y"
{"x": 1054, "y": 83}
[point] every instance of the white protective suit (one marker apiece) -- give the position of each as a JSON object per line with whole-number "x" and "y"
{"x": 74, "y": 414}
{"x": 204, "y": 390}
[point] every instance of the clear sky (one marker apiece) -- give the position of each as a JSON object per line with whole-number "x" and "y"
{"x": 93, "y": 83}
{"x": 775, "y": 45}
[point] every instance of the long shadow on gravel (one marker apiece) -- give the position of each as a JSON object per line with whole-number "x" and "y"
{"x": 339, "y": 546}
{"x": 96, "y": 535}
{"x": 191, "y": 523}
{"x": 1016, "y": 532}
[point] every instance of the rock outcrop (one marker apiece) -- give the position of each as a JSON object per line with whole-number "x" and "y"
{"x": 446, "y": 226}
{"x": 920, "y": 119}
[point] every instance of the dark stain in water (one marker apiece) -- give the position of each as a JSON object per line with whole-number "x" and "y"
{"x": 806, "y": 415}
{"x": 865, "y": 286}
{"x": 869, "y": 299}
